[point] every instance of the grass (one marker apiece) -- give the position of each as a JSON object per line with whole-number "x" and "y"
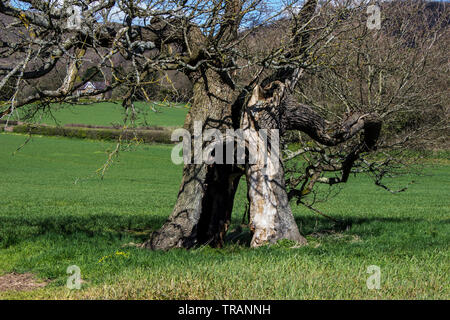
{"x": 55, "y": 212}
{"x": 109, "y": 113}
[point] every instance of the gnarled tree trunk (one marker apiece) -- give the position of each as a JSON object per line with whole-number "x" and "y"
{"x": 271, "y": 217}
{"x": 202, "y": 212}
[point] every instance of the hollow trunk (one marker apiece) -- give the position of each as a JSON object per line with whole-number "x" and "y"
{"x": 202, "y": 212}
{"x": 271, "y": 218}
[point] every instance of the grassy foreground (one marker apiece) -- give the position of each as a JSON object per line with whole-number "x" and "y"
{"x": 54, "y": 212}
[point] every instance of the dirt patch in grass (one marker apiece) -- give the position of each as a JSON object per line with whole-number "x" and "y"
{"x": 20, "y": 282}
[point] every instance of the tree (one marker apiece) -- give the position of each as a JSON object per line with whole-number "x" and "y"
{"x": 246, "y": 60}
{"x": 399, "y": 73}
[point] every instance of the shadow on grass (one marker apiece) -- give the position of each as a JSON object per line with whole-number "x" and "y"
{"x": 318, "y": 226}
{"x": 14, "y": 230}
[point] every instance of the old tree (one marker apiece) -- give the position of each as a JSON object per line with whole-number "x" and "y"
{"x": 347, "y": 94}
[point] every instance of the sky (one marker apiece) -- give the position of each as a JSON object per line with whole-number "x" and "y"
{"x": 117, "y": 15}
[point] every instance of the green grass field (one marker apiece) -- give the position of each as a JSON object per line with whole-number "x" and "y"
{"x": 55, "y": 212}
{"x": 109, "y": 113}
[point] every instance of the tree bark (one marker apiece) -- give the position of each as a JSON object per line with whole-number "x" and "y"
{"x": 271, "y": 218}
{"x": 202, "y": 212}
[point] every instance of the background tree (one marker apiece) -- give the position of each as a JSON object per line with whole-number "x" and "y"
{"x": 309, "y": 67}
{"x": 399, "y": 73}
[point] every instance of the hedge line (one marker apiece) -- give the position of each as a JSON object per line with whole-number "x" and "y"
{"x": 146, "y": 136}
{"x": 81, "y": 125}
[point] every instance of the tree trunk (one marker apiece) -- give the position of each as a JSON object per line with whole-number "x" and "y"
{"x": 202, "y": 212}
{"x": 271, "y": 218}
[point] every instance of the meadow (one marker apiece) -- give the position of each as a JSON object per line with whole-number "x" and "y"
{"x": 108, "y": 114}
{"x": 55, "y": 211}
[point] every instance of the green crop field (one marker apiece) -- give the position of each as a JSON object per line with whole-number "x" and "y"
{"x": 56, "y": 212}
{"x": 109, "y": 113}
